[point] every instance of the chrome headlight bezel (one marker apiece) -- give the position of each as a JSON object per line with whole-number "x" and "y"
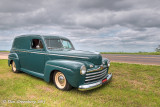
{"x": 103, "y": 62}
{"x": 108, "y": 63}
{"x": 83, "y": 70}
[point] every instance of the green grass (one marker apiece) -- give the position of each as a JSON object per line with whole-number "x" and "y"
{"x": 4, "y": 51}
{"x": 138, "y": 53}
{"x": 132, "y": 85}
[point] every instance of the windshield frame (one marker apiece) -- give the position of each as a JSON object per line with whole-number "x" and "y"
{"x": 60, "y": 42}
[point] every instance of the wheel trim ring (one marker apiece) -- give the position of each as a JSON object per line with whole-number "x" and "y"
{"x": 59, "y": 84}
{"x": 14, "y": 66}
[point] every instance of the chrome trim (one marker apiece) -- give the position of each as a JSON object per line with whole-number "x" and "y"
{"x": 90, "y": 86}
{"x": 12, "y": 57}
{"x": 14, "y": 54}
{"x": 96, "y": 75}
{"x": 30, "y": 52}
{"x": 70, "y": 56}
{"x": 54, "y": 54}
{"x": 36, "y": 53}
{"x": 59, "y": 67}
{"x": 88, "y": 74}
{"x": 94, "y": 78}
{"x": 20, "y": 51}
{"x": 94, "y": 85}
{"x": 81, "y": 69}
{"x": 9, "y": 57}
{"x": 108, "y": 63}
{"x": 91, "y": 66}
{"x": 98, "y": 69}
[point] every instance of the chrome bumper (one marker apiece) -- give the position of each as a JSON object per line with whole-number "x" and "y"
{"x": 94, "y": 85}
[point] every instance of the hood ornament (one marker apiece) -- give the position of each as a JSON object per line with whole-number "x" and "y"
{"x": 101, "y": 67}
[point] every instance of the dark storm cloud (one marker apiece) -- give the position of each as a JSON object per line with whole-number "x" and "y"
{"x": 67, "y": 12}
{"x": 19, "y": 6}
{"x": 132, "y": 22}
{"x": 94, "y": 14}
{"x": 105, "y": 4}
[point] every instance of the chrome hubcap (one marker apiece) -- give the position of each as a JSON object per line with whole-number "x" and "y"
{"x": 60, "y": 80}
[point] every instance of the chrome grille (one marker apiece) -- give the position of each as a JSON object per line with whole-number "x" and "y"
{"x": 97, "y": 75}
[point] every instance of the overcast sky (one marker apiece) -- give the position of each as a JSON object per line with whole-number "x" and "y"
{"x": 95, "y": 25}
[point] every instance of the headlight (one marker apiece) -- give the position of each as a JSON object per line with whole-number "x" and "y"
{"x": 108, "y": 63}
{"x": 103, "y": 62}
{"x": 83, "y": 70}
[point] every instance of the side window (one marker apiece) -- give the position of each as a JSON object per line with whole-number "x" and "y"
{"x": 66, "y": 44}
{"x": 36, "y": 44}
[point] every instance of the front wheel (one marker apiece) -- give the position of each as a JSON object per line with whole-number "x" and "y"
{"x": 60, "y": 81}
{"x": 14, "y": 69}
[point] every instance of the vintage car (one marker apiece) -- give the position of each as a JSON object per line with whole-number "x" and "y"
{"x": 54, "y": 59}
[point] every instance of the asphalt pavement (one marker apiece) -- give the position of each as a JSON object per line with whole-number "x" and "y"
{"x": 136, "y": 59}
{"x": 4, "y": 55}
{"x": 125, "y": 58}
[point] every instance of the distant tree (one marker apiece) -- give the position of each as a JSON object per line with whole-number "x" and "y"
{"x": 158, "y": 49}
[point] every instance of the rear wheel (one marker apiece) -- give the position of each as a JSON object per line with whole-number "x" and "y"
{"x": 14, "y": 69}
{"x": 60, "y": 81}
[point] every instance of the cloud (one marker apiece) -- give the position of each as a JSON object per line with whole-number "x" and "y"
{"x": 101, "y": 25}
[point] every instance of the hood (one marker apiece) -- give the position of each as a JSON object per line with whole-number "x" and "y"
{"x": 93, "y": 57}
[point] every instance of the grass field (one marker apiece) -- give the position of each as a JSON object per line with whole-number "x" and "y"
{"x": 4, "y": 51}
{"x": 132, "y": 85}
{"x": 138, "y": 53}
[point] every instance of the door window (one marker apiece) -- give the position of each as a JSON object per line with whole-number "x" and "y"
{"x": 36, "y": 44}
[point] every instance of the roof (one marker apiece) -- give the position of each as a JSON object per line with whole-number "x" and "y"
{"x": 44, "y": 36}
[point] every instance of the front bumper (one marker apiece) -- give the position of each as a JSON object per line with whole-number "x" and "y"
{"x": 96, "y": 84}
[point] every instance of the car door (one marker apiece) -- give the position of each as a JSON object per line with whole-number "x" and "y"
{"x": 35, "y": 57}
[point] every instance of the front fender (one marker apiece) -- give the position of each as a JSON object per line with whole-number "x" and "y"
{"x": 14, "y": 57}
{"x": 71, "y": 70}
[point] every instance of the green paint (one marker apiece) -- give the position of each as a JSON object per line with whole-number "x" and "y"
{"x": 43, "y": 61}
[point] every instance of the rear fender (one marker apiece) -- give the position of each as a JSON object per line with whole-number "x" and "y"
{"x": 14, "y": 57}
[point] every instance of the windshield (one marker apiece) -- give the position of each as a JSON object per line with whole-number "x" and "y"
{"x": 58, "y": 44}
